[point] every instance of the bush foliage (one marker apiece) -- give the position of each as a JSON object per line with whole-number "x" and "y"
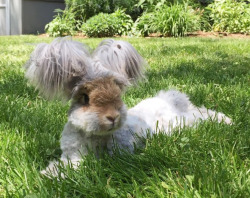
{"x": 107, "y": 25}
{"x": 64, "y": 23}
{"x": 103, "y": 18}
{"x": 125, "y": 22}
{"x": 174, "y": 20}
{"x": 88, "y": 8}
{"x": 144, "y": 24}
{"x": 230, "y": 16}
{"x": 101, "y": 25}
{"x": 150, "y": 5}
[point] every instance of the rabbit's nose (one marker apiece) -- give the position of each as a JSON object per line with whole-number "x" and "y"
{"x": 112, "y": 118}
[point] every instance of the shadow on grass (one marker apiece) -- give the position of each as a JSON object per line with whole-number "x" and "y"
{"x": 224, "y": 71}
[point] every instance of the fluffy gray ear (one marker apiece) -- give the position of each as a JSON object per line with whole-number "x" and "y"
{"x": 120, "y": 57}
{"x": 56, "y": 68}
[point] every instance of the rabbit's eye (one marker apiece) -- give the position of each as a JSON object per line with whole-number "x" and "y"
{"x": 85, "y": 99}
{"x": 119, "y": 108}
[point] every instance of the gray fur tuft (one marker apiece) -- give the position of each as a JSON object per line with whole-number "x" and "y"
{"x": 177, "y": 100}
{"x": 120, "y": 57}
{"x": 55, "y": 68}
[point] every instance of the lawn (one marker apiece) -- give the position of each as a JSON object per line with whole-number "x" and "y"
{"x": 211, "y": 160}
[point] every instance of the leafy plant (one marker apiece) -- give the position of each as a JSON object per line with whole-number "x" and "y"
{"x": 143, "y": 25}
{"x": 230, "y": 16}
{"x": 88, "y": 8}
{"x": 129, "y": 7}
{"x": 174, "y": 20}
{"x": 150, "y": 5}
{"x": 101, "y": 25}
{"x": 107, "y": 25}
{"x": 125, "y": 22}
{"x": 85, "y": 9}
{"x": 63, "y": 24}
{"x": 205, "y": 2}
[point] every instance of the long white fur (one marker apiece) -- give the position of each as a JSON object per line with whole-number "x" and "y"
{"x": 52, "y": 67}
{"x": 55, "y": 69}
{"x": 120, "y": 57}
{"x": 170, "y": 109}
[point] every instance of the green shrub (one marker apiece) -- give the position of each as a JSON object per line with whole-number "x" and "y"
{"x": 107, "y": 25}
{"x": 204, "y": 2}
{"x": 88, "y": 8}
{"x": 101, "y": 25}
{"x": 125, "y": 22}
{"x": 174, "y": 20}
{"x": 143, "y": 25}
{"x": 230, "y": 16}
{"x": 150, "y": 5}
{"x": 205, "y": 20}
{"x": 63, "y": 24}
{"x": 128, "y": 5}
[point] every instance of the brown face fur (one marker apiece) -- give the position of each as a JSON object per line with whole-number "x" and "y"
{"x": 102, "y": 96}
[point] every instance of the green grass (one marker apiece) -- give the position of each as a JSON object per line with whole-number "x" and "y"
{"x": 211, "y": 160}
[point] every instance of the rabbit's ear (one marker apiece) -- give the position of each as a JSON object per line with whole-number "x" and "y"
{"x": 120, "y": 57}
{"x": 55, "y": 68}
{"x": 121, "y": 84}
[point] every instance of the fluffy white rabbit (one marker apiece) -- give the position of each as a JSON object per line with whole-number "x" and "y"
{"x": 98, "y": 118}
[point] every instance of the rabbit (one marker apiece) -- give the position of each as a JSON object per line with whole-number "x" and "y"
{"x": 98, "y": 118}
{"x": 65, "y": 69}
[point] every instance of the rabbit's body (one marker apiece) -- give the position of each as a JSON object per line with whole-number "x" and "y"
{"x": 166, "y": 111}
{"x": 98, "y": 118}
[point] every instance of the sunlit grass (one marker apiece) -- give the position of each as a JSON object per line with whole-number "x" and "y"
{"x": 211, "y": 160}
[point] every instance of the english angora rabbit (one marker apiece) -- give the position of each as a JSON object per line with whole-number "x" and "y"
{"x": 98, "y": 117}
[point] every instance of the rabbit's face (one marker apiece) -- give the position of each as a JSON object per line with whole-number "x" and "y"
{"x": 97, "y": 107}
